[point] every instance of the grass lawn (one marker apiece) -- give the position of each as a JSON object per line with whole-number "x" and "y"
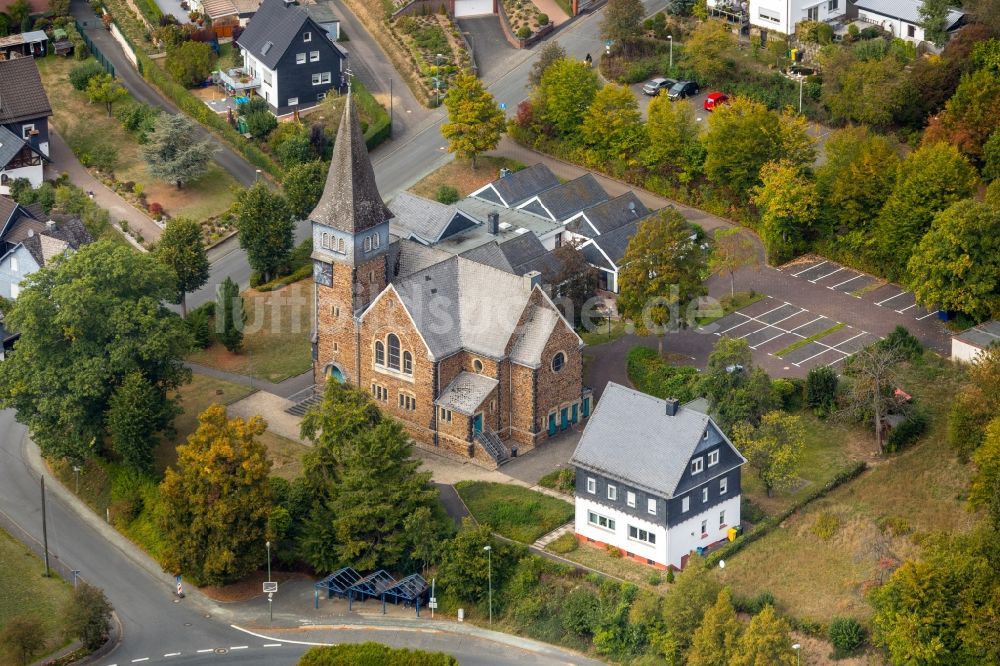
{"x": 27, "y": 593}
{"x": 276, "y": 339}
{"x": 599, "y": 559}
{"x": 86, "y": 126}
{"x": 600, "y": 336}
{"x": 517, "y": 513}
{"x": 285, "y": 455}
{"x": 732, "y": 303}
{"x": 880, "y": 513}
{"x": 459, "y": 174}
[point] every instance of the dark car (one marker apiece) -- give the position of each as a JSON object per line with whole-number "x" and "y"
{"x": 683, "y": 89}
{"x": 654, "y": 87}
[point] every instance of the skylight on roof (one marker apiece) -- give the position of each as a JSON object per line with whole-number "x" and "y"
{"x": 505, "y": 225}
{"x": 266, "y": 48}
{"x": 521, "y": 230}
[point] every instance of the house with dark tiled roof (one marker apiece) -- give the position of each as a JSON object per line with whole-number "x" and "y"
{"x": 292, "y": 59}
{"x": 474, "y": 359}
{"x": 24, "y": 123}
{"x": 655, "y": 479}
{"x": 516, "y": 187}
{"x": 29, "y": 240}
{"x": 561, "y": 202}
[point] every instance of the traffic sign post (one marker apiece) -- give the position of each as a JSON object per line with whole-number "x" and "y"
{"x": 270, "y": 586}
{"x": 180, "y": 586}
{"x": 503, "y": 106}
{"x": 270, "y": 611}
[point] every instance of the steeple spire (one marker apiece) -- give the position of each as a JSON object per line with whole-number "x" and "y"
{"x": 351, "y": 201}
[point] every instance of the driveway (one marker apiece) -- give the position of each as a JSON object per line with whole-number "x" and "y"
{"x": 491, "y": 50}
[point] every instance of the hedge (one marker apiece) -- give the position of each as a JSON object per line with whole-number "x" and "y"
{"x": 365, "y": 654}
{"x": 651, "y": 374}
{"x": 741, "y": 542}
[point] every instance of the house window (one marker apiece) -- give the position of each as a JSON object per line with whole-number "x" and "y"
{"x": 379, "y": 353}
{"x": 637, "y": 534}
{"x": 446, "y": 415}
{"x": 769, "y": 15}
{"x": 812, "y": 14}
{"x": 408, "y": 363}
{"x": 15, "y": 289}
{"x": 685, "y": 504}
{"x": 340, "y": 246}
{"x": 336, "y": 310}
{"x": 911, "y": 31}
{"x": 612, "y": 492}
{"x": 630, "y": 498}
{"x": 307, "y": 36}
{"x": 314, "y": 56}
{"x": 477, "y": 365}
{"x": 697, "y": 465}
{"x": 300, "y": 58}
{"x": 393, "y": 342}
{"x": 832, "y": 5}
{"x": 26, "y": 131}
{"x": 591, "y": 485}
{"x": 722, "y": 519}
{"x": 407, "y": 402}
{"x": 381, "y": 393}
{"x": 704, "y": 495}
{"x": 651, "y": 506}
{"x": 597, "y": 520}
{"x": 321, "y": 78}
{"x": 713, "y": 457}
{"x": 292, "y": 101}
{"x": 375, "y": 241}
{"x": 13, "y": 264}
{"x": 558, "y": 361}
{"x": 704, "y": 528}
{"x": 723, "y": 486}
{"x": 336, "y": 346}
{"x": 368, "y": 244}
{"x": 326, "y": 241}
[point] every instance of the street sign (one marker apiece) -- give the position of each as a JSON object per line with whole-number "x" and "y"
{"x": 432, "y": 605}
{"x": 270, "y": 586}
{"x": 434, "y": 600}
{"x": 503, "y": 106}
{"x": 180, "y": 586}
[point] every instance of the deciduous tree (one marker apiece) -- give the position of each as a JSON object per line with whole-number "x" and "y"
{"x": 977, "y": 402}
{"x": 216, "y": 501}
{"x": 870, "y": 394}
{"x": 137, "y": 413}
{"x": 612, "y": 126}
{"x": 708, "y": 51}
{"x": 733, "y": 249}
{"x": 692, "y": 595}
{"x": 88, "y": 617}
{"x": 191, "y": 63}
{"x": 303, "y": 186}
{"x": 789, "y": 206}
{"x": 934, "y": 20}
{"x": 956, "y": 265}
{"x": 463, "y": 568}
{"x": 622, "y": 20}
{"x": 573, "y": 281}
{"x": 86, "y": 321}
{"x": 475, "y": 121}
{"x": 265, "y": 225}
{"x": 773, "y": 449}
{"x": 674, "y": 145}
{"x": 861, "y": 90}
{"x": 661, "y": 275}
{"x": 737, "y": 391}
{"x": 174, "y": 153}
{"x": 552, "y": 52}
{"x": 985, "y": 489}
{"x": 182, "y": 249}
{"x": 715, "y": 640}
{"x": 23, "y": 636}
{"x": 969, "y": 116}
{"x": 765, "y": 641}
{"x": 103, "y": 89}
{"x": 566, "y": 91}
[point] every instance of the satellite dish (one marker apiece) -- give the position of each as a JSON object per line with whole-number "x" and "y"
{"x": 722, "y": 564}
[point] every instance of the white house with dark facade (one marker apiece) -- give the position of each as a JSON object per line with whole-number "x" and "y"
{"x": 655, "y": 479}
{"x": 293, "y": 61}
{"x": 24, "y": 123}
{"x": 901, "y": 18}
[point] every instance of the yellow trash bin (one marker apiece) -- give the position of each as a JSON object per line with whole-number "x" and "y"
{"x": 732, "y": 534}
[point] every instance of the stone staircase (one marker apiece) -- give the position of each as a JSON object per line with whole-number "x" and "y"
{"x": 546, "y": 539}
{"x": 493, "y": 444}
{"x": 303, "y": 400}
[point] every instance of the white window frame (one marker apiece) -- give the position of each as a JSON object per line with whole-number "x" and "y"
{"x": 307, "y": 36}
{"x": 704, "y": 527}
{"x": 630, "y": 498}
{"x": 636, "y": 534}
{"x": 321, "y": 78}
{"x": 704, "y": 494}
{"x": 26, "y": 131}
{"x": 591, "y": 485}
{"x": 722, "y": 518}
{"x": 713, "y": 457}
{"x": 723, "y": 485}
{"x": 314, "y": 56}
{"x": 697, "y": 465}
{"x": 685, "y": 505}
{"x": 595, "y": 519}
{"x": 612, "y": 492}
{"x": 300, "y": 58}
{"x": 13, "y": 265}
{"x": 651, "y": 506}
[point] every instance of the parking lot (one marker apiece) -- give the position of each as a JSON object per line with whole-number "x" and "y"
{"x": 697, "y": 101}
{"x": 830, "y": 274}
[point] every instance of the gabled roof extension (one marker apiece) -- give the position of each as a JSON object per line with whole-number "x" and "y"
{"x": 22, "y": 96}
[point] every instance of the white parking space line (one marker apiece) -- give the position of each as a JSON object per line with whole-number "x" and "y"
{"x": 836, "y": 346}
{"x": 748, "y": 319}
{"x": 809, "y": 269}
{"x": 907, "y": 308}
{"x": 788, "y": 317}
{"x": 764, "y": 313}
{"x": 823, "y": 277}
{"x": 806, "y": 324}
{"x": 769, "y": 339}
{"x": 806, "y": 360}
{"x": 886, "y": 300}
{"x": 929, "y": 314}
{"x": 860, "y": 275}
{"x": 763, "y": 328}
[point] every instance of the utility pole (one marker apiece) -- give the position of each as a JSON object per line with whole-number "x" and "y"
{"x": 489, "y": 574}
{"x": 390, "y": 108}
{"x": 76, "y": 475}
{"x": 45, "y": 532}
{"x": 76, "y": 576}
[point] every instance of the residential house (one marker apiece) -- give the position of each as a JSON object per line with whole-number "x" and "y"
{"x": 29, "y": 240}
{"x": 602, "y": 233}
{"x": 240, "y": 10}
{"x": 901, "y": 18}
{"x": 969, "y": 344}
{"x": 655, "y": 479}
{"x": 781, "y": 16}
{"x": 24, "y": 123}
{"x": 291, "y": 57}
{"x": 476, "y": 362}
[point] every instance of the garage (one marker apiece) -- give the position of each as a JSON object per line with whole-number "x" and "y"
{"x": 473, "y": 7}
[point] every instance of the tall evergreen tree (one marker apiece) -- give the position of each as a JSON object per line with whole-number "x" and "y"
{"x": 173, "y": 152}
{"x": 231, "y": 316}
{"x": 714, "y": 642}
{"x": 182, "y": 248}
{"x": 137, "y": 413}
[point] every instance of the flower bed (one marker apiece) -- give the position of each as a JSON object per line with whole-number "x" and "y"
{"x": 524, "y": 17}
{"x": 436, "y": 50}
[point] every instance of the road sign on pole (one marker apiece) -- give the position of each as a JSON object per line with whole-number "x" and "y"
{"x": 180, "y": 586}
{"x": 270, "y": 586}
{"x": 503, "y": 106}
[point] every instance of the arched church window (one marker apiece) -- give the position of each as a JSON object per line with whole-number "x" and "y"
{"x": 393, "y": 343}
{"x": 379, "y": 353}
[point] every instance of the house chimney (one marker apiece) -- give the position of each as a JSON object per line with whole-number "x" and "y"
{"x": 493, "y": 222}
{"x": 50, "y": 225}
{"x": 534, "y": 278}
{"x": 504, "y": 172}
{"x": 672, "y": 404}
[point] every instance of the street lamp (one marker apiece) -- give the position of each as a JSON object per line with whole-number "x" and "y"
{"x": 489, "y": 570}
{"x": 670, "y": 38}
{"x": 76, "y": 475}
{"x": 76, "y": 575}
{"x": 798, "y": 650}
{"x": 257, "y": 176}
{"x": 270, "y": 608}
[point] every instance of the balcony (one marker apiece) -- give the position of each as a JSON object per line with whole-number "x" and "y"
{"x": 237, "y": 80}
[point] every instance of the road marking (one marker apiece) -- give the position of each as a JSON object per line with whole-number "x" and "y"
{"x": 208, "y": 650}
{"x": 272, "y": 644}
{"x": 929, "y": 314}
{"x": 746, "y": 321}
{"x": 806, "y": 324}
{"x": 846, "y": 281}
{"x": 271, "y": 638}
{"x": 764, "y": 313}
{"x": 768, "y": 340}
{"x": 136, "y": 661}
{"x": 172, "y": 654}
{"x": 805, "y": 360}
{"x": 886, "y": 300}
{"x": 788, "y": 317}
{"x": 239, "y": 647}
{"x": 808, "y": 269}
{"x": 837, "y": 346}
{"x": 766, "y": 326}
{"x": 827, "y": 275}
{"x": 907, "y": 308}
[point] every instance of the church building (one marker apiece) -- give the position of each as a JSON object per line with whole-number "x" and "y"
{"x": 475, "y": 361}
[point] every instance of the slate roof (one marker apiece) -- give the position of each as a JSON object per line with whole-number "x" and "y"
{"x": 22, "y": 96}
{"x": 981, "y": 336}
{"x": 10, "y": 145}
{"x": 466, "y": 392}
{"x": 614, "y": 243}
{"x": 534, "y": 333}
{"x": 351, "y": 201}
{"x": 408, "y": 257}
{"x": 491, "y": 255}
{"x": 277, "y": 24}
{"x": 631, "y": 438}
{"x": 907, "y": 10}
{"x": 421, "y": 217}
{"x": 563, "y": 200}
{"x": 519, "y": 186}
{"x": 609, "y": 215}
{"x": 7, "y": 208}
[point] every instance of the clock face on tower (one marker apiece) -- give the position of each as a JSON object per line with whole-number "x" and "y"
{"x": 323, "y": 273}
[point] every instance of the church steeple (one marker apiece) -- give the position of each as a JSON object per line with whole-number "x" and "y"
{"x": 351, "y": 201}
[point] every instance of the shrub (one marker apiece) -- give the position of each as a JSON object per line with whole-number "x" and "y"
{"x": 902, "y": 340}
{"x": 754, "y": 605}
{"x": 199, "y": 322}
{"x": 847, "y": 636}
{"x": 750, "y": 512}
{"x": 567, "y": 543}
{"x": 581, "y": 611}
{"x": 907, "y": 432}
{"x": 255, "y": 105}
{"x": 446, "y": 194}
{"x": 614, "y": 551}
{"x": 81, "y": 74}
{"x": 821, "y": 389}
{"x": 826, "y": 526}
{"x": 789, "y": 391}
{"x": 670, "y": 576}
{"x": 372, "y": 653}
{"x": 523, "y": 32}
{"x": 651, "y": 374}
{"x": 639, "y": 71}
{"x": 655, "y": 578}
{"x": 156, "y": 210}
{"x": 260, "y": 124}
{"x": 543, "y": 19}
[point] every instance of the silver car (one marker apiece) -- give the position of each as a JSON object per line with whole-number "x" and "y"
{"x": 653, "y": 87}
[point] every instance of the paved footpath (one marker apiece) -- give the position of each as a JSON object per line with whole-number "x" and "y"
{"x": 63, "y": 160}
